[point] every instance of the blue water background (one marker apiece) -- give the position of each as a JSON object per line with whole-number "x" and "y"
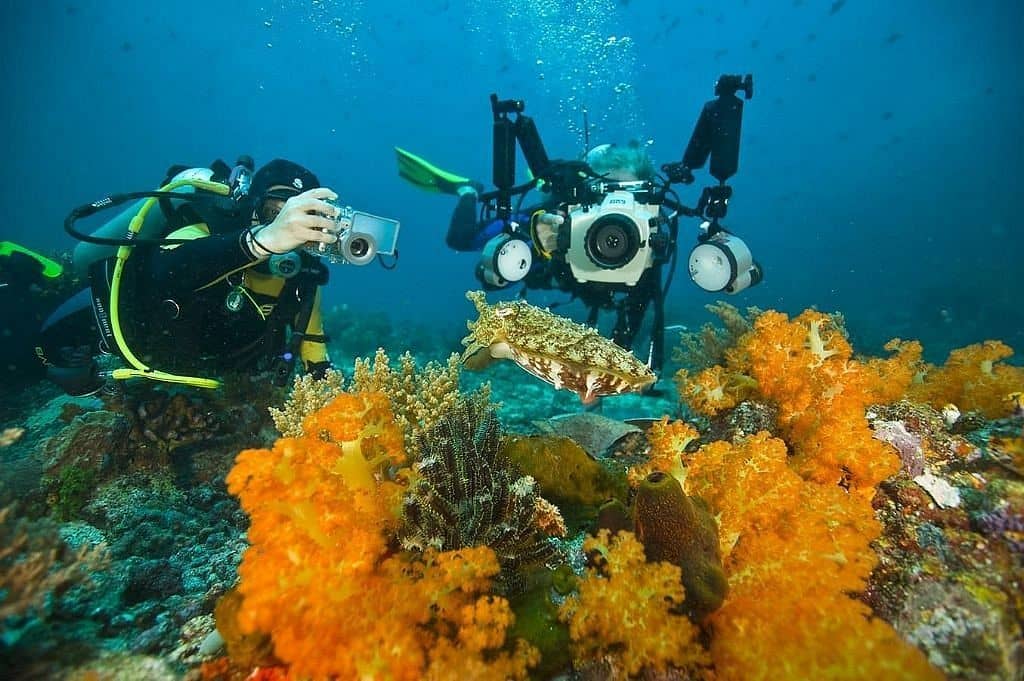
{"x": 880, "y": 170}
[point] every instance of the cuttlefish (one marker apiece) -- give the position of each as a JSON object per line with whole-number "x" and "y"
{"x": 568, "y": 355}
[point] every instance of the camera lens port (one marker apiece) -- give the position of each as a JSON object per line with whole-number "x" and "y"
{"x": 612, "y": 241}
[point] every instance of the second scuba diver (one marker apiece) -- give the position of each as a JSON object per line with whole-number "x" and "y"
{"x": 206, "y": 283}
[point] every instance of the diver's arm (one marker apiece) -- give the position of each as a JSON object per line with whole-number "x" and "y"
{"x": 464, "y": 227}
{"x": 194, "y": 265}
{"x": 203, "y": 262}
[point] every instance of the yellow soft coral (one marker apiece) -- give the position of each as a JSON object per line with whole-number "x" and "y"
{"x": 321, "y": 576}
{"x": 805, "y": 366}
{"x": 973, "y": 378}
{"x": 624, "y": 610}
{"x": 714, "y": 389}
{"x": 793, "y": 551}
{"x": 669, "y": 440}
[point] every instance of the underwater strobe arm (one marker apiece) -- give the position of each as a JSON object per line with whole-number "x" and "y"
{"x": 720, "y": 261}
{"x": 507, "y": 133}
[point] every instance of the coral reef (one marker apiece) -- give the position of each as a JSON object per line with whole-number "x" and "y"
{"x": 624, "y": 610}
{"x": 949, "y": 572}
{"x": 465, "y": 493}
{"x": 325, "y": 509}
{"x": 552, "y": 348}
{"x": 418, "y": 396}
{"x": 36, "y": 563}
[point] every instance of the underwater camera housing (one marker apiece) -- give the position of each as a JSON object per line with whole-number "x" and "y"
{"x": 361, "y": 237}
{"x": 615, "y": 235}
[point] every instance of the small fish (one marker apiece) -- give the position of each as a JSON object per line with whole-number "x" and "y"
{"x": 811, "y": 78}
{"x": 887, "y": 115}
{"x": 10, "y": 435}
{"x": 836, "y": 6}
{"x": 892, "y": 38}
{"x": 811, "y": 37}
{"x": 721, "y": 53}
{"x": 754, "y": 44}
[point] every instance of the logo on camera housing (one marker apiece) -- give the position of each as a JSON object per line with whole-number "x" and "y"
{"x": 361, "y": 237}
{"x": 610, "y": 241}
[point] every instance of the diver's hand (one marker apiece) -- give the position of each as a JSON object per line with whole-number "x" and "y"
{"x": 545, "y": 230}
{"x": 304, "y": 218}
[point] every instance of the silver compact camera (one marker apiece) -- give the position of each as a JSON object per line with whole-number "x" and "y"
{"x": 610, "y": 241}
{"x": 361, "y": 237}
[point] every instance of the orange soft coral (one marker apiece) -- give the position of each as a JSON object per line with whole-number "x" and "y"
{"x": 669, "y": 440}
{"x": 794, "y": 550}
{"x": 625, "y": 610}
{"x": 714, "y": 389}
{"x": 974, "y": 379}
{"x": 321, "y": 576}
{"x": 804, "y": 365}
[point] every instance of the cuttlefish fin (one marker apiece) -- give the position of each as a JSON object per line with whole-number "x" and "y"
{"x": 477, "y": 358}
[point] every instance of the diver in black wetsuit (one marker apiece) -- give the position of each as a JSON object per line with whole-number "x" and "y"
{"x": 213, "y": 284}
{"x": 608, "y": 232}
{"x": 467, "y": 233}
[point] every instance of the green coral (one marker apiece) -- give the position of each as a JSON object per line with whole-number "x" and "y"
{"x": 69, "y": 490}
{"x": 566, "y": 475}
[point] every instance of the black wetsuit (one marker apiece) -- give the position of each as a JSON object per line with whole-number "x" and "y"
{"x": 191, "y": 307}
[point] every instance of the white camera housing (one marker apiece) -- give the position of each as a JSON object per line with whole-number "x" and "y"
{"x": 610, "y": 242}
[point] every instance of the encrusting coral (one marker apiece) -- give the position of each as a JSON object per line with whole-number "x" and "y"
{"x": 323, "y": 578}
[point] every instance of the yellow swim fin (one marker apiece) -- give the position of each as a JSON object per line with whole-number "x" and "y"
{"x": 427, "y": 176}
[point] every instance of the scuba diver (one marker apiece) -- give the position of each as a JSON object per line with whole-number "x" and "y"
{"x": 607, "y": 231}
{"x": 205, "y": 275}
{"x": 31, "y": 286}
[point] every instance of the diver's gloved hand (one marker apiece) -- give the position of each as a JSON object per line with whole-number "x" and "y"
{"x": 545, "y": 231}
{"x": 304, "y": 218}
